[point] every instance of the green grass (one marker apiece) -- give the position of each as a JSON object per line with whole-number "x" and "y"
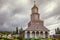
{"x": 26, "y": 39}
{"x": 8, "y": 39}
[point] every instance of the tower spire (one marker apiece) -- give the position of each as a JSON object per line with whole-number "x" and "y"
{"x": 34, "y": 2}
{"x": 34, "y": 8}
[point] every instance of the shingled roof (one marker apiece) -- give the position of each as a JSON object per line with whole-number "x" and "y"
{"x": 41, "y": 28}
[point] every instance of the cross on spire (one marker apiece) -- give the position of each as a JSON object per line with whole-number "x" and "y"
{"x": 34, "y": 2}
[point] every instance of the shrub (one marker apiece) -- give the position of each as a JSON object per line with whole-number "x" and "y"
{"x": 21, "y": 38}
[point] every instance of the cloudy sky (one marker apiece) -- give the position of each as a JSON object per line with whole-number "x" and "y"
{"x": 16, "y": 13}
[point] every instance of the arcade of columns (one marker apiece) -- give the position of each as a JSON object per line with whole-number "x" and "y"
{"x": 36, "y": 34}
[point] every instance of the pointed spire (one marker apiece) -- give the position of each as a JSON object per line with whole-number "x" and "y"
{"x": 34, "y": 4}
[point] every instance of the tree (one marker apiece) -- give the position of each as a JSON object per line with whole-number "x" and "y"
{"x": 21, "y": 34}
{"x": 21, "y": 30}
{"x": 16, "y": 30}
{"x": 57, "y": 31}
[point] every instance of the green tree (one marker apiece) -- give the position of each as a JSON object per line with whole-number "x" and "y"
{"x": 57, "y": 31}
{"x": 16, "y": 30}
{"x": 21, "y": 34}
{"x": 21, "y": 30}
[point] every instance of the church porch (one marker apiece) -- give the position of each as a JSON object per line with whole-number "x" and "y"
{"x": 36, "y": 34}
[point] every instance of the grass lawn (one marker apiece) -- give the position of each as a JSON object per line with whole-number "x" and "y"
{"x": 27, "y": 39}
{"x": 9, "y": 39}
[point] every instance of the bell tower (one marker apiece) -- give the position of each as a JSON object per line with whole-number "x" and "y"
{"x": 35, "y": 20}
{"x": 35, "y": 14}
{"x": 34, "y": 8}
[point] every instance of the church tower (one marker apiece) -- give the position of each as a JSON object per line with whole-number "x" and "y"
{"x": 35, "y": 14}
{"x": 36, "y": 26}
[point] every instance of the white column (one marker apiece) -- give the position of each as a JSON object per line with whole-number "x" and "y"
{"x": 25, "y": 34}
{"x": 35, "y": 35}
{"x": 43, "y": 34}
{"x": 30, "y": 34}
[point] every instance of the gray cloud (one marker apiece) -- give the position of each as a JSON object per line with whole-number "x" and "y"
{"x": 15, "y": 13}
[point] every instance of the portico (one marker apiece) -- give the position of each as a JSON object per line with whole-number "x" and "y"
{"x": 35, "y": 34}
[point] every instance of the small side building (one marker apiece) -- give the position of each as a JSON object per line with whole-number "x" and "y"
{"x": 56, "y": 36}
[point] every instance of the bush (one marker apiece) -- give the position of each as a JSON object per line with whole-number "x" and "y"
{"x": 32, "y": 39}
{"x": 21, "y": 38}
{"x": 29, "y": 39}
{"x": 36, "y": 39}
{"x": 1, "y": 39}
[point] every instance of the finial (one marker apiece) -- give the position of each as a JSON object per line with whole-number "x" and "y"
{"x": 34, "y": 1}
{"x": 34, "y": 4}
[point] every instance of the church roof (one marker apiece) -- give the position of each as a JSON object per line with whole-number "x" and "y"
{"x": 34, "y": 6}
{"x": 40, "y": 28}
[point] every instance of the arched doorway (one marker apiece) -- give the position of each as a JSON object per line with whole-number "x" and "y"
{"x": 41, "y": 34}
{"x": 37, "y": 34}
{"x": 33, "y": 34}
{"x": 46, "y": 34}
{"x": 28, "y": 34}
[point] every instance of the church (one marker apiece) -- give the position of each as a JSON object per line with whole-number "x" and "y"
{"x": 36, "y": 28}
